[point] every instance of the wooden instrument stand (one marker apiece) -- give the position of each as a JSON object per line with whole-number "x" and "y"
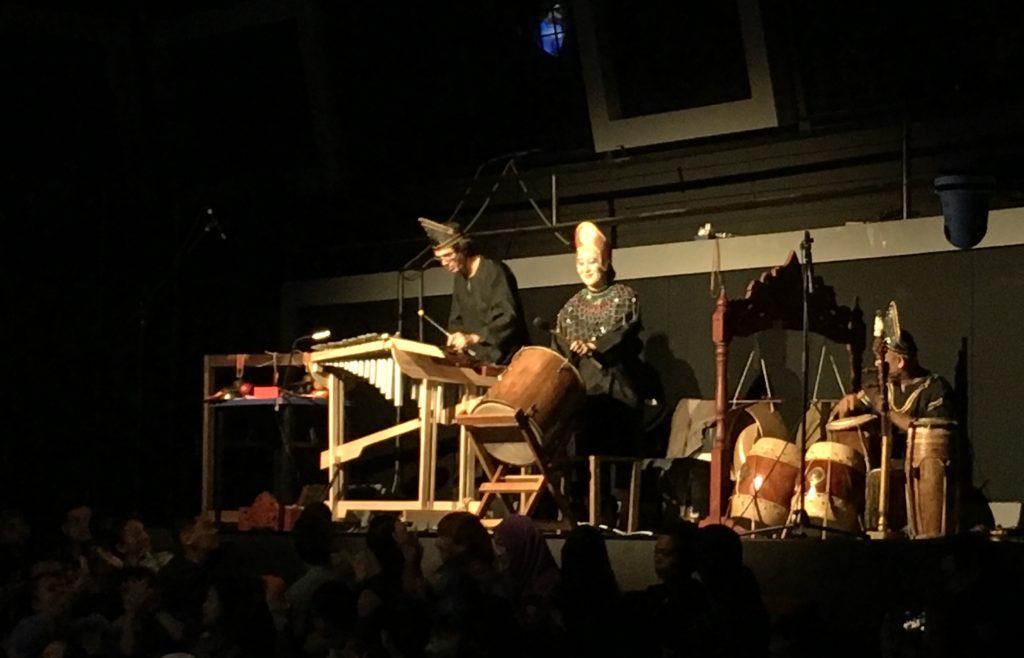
{"x": 386, "y": 360}
{"x": 501, "y": 482}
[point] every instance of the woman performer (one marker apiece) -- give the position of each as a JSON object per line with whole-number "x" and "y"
{"x": 599, "y": 330}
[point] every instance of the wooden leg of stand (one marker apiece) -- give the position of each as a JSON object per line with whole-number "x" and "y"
{"x": 595, "y": 489}
{"x": 524, "y": 498}
{"x": 488, "y": 497}
{"x": 556, "y": 487}
{"x": 634, "y": 497}
{"x": 553, "y": 488}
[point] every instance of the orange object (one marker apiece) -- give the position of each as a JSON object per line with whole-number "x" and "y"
{"x": 266, "y": 513}
{"x": 264, "y": 392}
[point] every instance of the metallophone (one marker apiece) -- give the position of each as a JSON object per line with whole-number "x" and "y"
{"x": 386, "y": 362}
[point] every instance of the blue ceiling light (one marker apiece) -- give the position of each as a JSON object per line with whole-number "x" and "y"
{"x": 552, "y": 30}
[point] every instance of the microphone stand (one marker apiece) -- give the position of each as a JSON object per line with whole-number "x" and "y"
{"x": 798, "y": 521}
{"x": 799, "y": 517}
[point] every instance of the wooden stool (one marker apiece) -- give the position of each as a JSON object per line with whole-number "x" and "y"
{"x": 632, "y": 501}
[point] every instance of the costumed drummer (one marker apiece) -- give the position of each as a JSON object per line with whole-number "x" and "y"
{"x": 599, "y": 330}
{"x": 486, "y": 317}
{"x": 914, "y": 392}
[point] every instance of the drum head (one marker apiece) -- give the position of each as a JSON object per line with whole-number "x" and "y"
{"x": 835, "y": 452}
{"x": 513, "y": 451}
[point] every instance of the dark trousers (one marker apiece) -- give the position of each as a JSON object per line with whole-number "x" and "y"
{"x": 607, "y": 428}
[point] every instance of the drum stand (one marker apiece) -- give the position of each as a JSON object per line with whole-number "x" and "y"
{"x": 501, "y": 482}
{"x": 799, "y": 522}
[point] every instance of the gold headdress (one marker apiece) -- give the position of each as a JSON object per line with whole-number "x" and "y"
{"x": 588, "y": 236}
{"x": 897, "y": 339}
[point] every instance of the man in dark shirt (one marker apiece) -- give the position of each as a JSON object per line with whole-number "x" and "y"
{"x": 486, "y": 318}
{"x": 914, "y": 392}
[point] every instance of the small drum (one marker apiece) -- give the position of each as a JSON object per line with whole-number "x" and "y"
{"x": 765, "y": 487}
{"x": 834, "y": 481}
{"x": 930, "y": 478}
{"x": 856, "y": 432}
{"x": 546, "y": 387}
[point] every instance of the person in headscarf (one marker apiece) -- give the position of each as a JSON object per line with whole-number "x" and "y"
{"x": 486, "y": 319}
{"x": 530, "y": 577}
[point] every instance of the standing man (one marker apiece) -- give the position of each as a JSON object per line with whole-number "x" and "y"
{"x": 486, "y": 317}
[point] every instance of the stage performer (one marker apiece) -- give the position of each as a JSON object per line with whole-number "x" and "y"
{"x": 599, "y": 330}
{"x": 914, "y": 392}
{"x": 486, "y": 318}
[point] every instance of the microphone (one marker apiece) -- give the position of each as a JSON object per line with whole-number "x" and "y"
{"x": 808, "y": 261}
{"x": 315, "y": 337}
{"x": 213, "y": 223}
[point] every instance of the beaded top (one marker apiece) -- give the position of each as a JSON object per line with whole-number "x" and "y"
{"x": 589, "y": 315}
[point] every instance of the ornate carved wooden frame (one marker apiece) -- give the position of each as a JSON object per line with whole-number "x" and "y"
{"x": 774, "y": 300}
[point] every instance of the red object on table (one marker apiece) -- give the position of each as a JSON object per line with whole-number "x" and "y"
{"x": 265, "y": 392}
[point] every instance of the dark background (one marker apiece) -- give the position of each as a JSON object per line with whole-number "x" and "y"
{"x": 312, "y": 130}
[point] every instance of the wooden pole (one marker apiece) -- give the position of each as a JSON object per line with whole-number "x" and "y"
{"x": 719, "y": 495}
{"x": 883, "y": 392}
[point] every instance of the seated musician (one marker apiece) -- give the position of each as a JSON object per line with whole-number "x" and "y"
{"x": 913, "y": 391}
{"x": 486, "y": 318}
{"x": 599, "y": 330}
